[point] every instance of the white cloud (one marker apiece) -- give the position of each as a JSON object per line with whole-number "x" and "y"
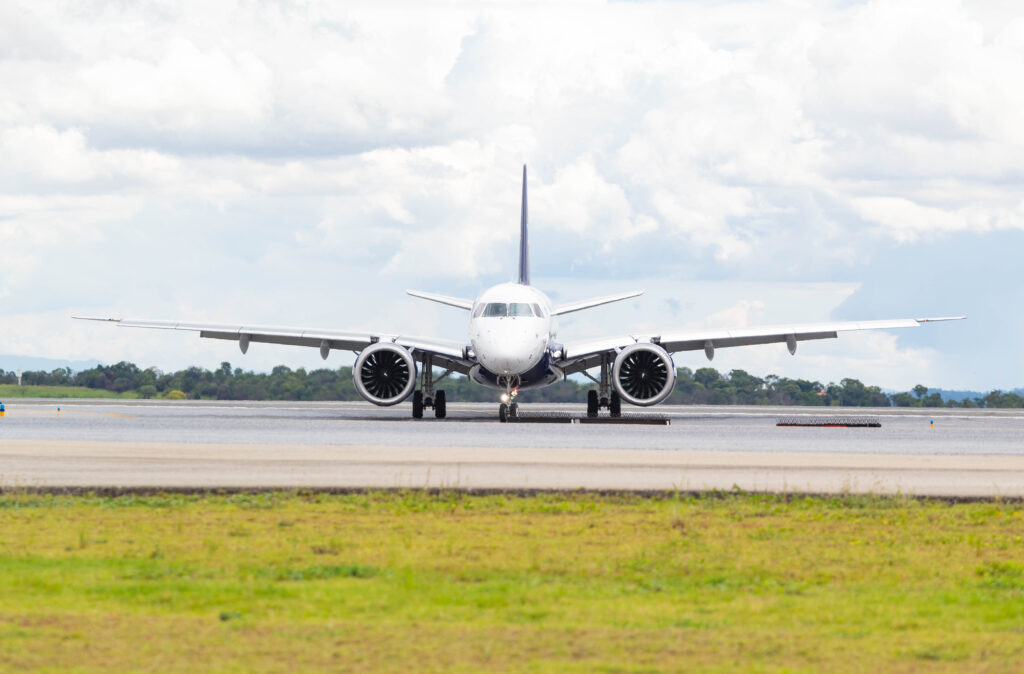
{"x": 209, "y": 150}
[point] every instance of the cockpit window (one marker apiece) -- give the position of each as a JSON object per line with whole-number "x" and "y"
{"x": 478, "y": 311}
{"x": 519, "y": 309}
{"x": 536, "y": 310}
{"x": 495, "y": 309}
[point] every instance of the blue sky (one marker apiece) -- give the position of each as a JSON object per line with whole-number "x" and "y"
{"x": 303, "y": 164}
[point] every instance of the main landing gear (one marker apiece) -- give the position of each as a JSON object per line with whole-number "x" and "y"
{"x": 426, "y": 397}
{"x": 509, "y": 408}
{"x": 604, "y": 397}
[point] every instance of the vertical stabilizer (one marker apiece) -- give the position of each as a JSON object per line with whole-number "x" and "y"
{"x": 524, "y": 246}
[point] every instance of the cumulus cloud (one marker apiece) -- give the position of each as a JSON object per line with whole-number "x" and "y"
{"x": 282, "y": 152}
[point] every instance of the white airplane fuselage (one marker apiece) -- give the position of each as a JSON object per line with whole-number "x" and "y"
{"x": 510, "y": 329}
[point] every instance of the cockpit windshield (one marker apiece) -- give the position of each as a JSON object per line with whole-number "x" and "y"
{"x": 500, "y": 310}
{"x": 495, "y": 310}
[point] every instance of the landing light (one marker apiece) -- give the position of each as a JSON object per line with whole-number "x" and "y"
{"x": 505, "y": 398}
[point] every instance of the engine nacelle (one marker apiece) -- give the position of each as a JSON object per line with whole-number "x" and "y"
{"x": 643, "y": 374}
{"x": 384, "y": 373}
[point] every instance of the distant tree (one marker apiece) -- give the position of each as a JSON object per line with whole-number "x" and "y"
{"x": 706, "y": 376}
{"x": 704, "y": 386}
{"x": 903, "y": 400}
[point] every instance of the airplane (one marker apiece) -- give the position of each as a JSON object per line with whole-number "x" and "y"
{"x": 512, "y": 347}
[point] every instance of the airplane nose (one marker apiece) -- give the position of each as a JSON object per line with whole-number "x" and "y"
{"x": 503, "y": 352}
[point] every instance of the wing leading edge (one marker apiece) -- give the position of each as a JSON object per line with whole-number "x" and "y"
{"x": 447, "y": 353}
{"x": 579, "y": 356}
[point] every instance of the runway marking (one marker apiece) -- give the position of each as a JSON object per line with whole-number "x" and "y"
{"x": 392, "y": 454}
{"x": 53, "y": 412}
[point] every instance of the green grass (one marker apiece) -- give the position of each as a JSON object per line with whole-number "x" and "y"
{"x": 451, "y": 582}
{"x": 15, "y": 391}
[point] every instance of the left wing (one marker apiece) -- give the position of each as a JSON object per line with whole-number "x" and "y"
{"x": 582, "y": 355}
{"x": 446, "y": 353}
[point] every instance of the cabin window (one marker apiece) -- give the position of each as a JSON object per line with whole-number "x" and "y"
{"x": 495, "y": 310}
{"x": 519, "y": 309}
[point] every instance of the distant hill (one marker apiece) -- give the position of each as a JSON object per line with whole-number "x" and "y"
{"x": 967, "y": 395}
{"x": 957, "y": 395}
{"x": 26, "y": 363}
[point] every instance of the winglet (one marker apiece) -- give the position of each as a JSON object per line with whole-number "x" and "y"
{"x": 524, "y": 247}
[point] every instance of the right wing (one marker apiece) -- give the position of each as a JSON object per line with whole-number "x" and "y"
{"x": 582, "y": 355}
{"x": 446, "y": 353}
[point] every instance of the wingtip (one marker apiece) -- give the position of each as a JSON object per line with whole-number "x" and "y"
{"x": 939, "y": 319}
{"x": 96, "y": 318}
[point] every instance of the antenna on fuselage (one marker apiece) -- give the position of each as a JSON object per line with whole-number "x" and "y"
{"x": 524, "y": 246}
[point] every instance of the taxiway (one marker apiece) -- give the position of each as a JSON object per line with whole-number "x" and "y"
{"x": 190, "y": 445}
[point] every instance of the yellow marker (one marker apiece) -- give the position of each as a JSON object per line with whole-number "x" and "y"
{"x": 933, "y": 423}
{"x": 3, "y": 410}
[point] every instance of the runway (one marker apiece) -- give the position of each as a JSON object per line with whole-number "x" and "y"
{"x": 189, "y": 445}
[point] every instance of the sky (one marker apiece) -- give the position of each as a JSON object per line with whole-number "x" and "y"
{"x": 304, "y": 163}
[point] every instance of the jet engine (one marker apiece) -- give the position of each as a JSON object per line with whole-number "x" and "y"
{"x": 384, "y": 373}
{"x": 643, "y": 374}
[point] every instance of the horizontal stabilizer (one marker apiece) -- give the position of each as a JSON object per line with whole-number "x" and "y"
{"x": 569, "y": 307}
{"x": 443, "y": 299}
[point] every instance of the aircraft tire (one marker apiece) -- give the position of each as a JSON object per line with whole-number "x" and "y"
{"x": 417, "y": 405}
{"x": 513, "y": 411}
{"x": 503, "y": 413}
{"x": 615, "y": 406}
{"x": 440, "y": 405}
{"x": 591, "y": 404}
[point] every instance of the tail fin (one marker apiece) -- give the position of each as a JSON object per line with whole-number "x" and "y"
{"x": 524, "y": 246}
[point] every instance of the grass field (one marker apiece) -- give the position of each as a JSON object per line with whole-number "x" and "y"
{"x": 580, "y": 583}
{"x": 15, "y": 391}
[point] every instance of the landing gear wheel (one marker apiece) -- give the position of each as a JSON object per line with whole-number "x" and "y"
{"x": 417, "y": 405}
{"x": 615, "y": 407}
{"x": 591, "y": 404}
{"x": 440, "y": 405}
{"x": 503, "y": 413}
{"x": 513, "y": 411}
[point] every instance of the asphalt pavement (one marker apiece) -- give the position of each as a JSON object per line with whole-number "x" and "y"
{"x": 189, "y": 444}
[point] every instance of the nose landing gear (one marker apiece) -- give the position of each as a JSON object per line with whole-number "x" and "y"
{"x": 509, "y": 408}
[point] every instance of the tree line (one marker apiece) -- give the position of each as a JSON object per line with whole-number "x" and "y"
{"x": 704, "y": 386}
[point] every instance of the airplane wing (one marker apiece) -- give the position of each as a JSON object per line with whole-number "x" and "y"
{"x": 445, "y": 353}
{"x": 582, "y": 355}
